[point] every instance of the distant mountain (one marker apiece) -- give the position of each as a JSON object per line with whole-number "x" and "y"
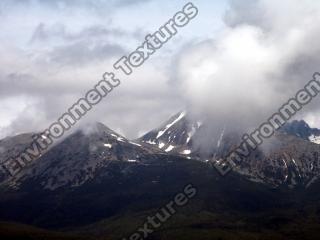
{"x": 76, "y": 159}
{"x": 182, "y": 136}
{"x": 290, "y": 158}
{"x": 174, "y": 136}
{"x": 302, "y": 130}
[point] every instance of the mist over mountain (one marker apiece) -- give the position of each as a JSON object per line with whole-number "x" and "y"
{"x": 143, "y": 163}
{"x": 263, "y": 56}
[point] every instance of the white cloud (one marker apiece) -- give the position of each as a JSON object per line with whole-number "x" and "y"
{"x": 266, "y": 53}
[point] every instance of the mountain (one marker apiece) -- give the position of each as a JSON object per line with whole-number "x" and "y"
{"x": 76, "y": 159}
{"x": 174, "y": 135}
{"x": 180, "y": 135}
{"x": 290, "y": 158}
{"x": 97, "y": 184}
{"x": 302, "y": 130}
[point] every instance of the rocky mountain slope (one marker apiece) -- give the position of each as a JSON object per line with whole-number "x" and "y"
{"x": 76, "y": 159}
{"x": 290, "y": 158}
{"x": 98, "y": 175}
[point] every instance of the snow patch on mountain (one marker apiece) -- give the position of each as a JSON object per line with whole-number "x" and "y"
{"x": 314, "y": 139}
{"x": 186, "y": 152}
{"x": 170, "y": 148}
{"x": 121, "y": 139}
{"x": 136, "y": 144}
{"x": 161, "y": 145}
{"x": 160, "y": 133}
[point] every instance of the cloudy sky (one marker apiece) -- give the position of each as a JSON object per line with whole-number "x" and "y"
{"x": 235, "y": 61}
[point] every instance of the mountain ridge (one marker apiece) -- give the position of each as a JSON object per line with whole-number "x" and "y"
{"x": 76, "y": 159}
